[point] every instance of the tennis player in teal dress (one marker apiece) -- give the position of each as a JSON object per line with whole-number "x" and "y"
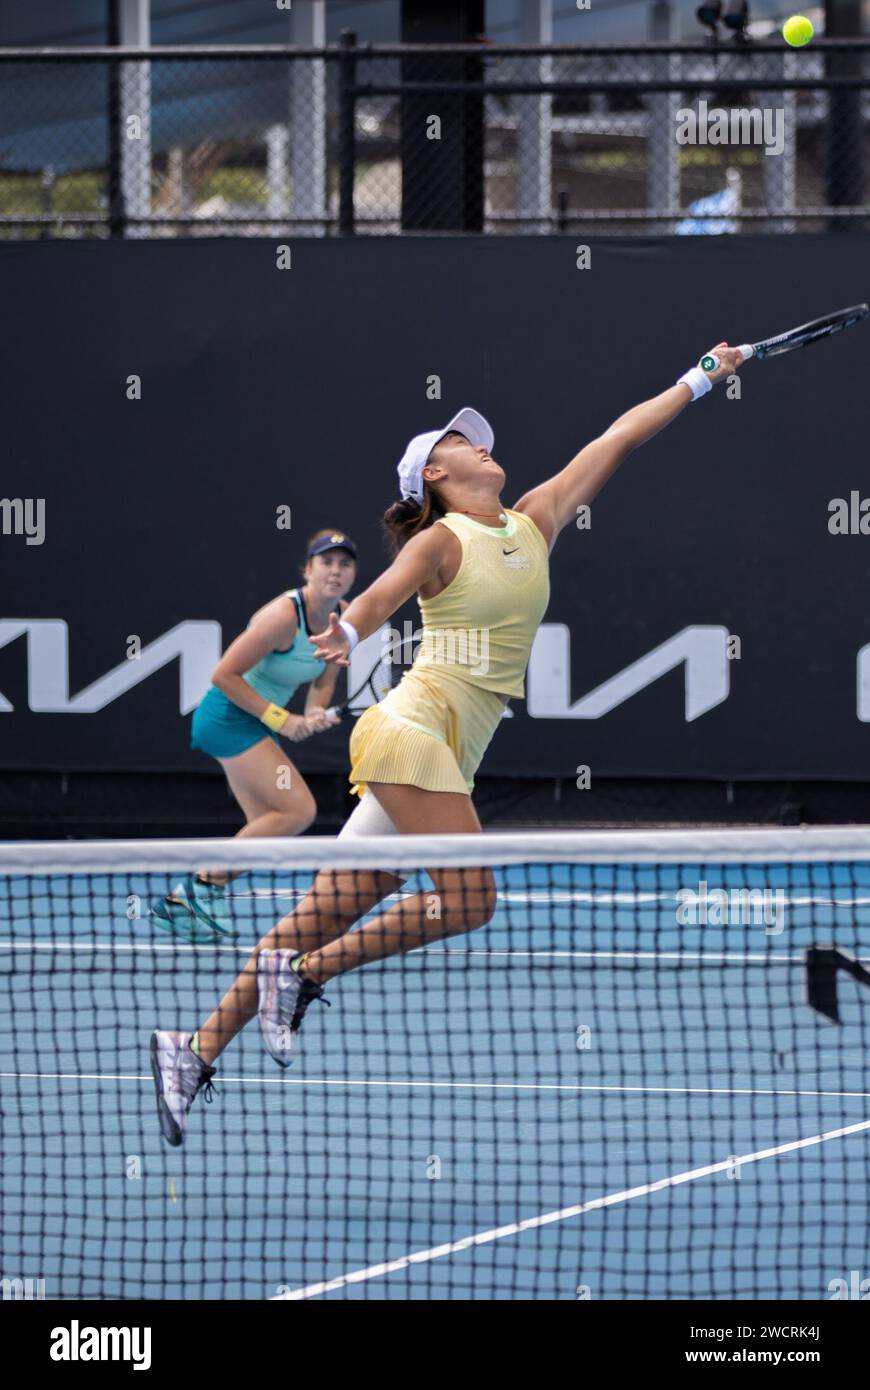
{"x": 242, "y": 718}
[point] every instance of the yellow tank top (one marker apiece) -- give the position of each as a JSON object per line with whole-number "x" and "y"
{"x": 481, "y": 627}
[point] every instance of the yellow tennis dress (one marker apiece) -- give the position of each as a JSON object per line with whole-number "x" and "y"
{"x": 434, "y": 727}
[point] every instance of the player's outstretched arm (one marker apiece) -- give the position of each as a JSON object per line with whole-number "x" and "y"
{"x": 553, "y": 504}
{"x": 418, "y": 561}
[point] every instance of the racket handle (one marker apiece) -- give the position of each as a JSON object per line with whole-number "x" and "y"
{"x": 712, "y": 363}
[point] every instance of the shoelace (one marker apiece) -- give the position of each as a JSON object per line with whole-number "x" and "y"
{"x": 206, "y": 1085}
{"x": 308, "y": 992}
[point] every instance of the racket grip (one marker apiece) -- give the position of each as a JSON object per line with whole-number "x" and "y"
{"x": 712, "y": 363}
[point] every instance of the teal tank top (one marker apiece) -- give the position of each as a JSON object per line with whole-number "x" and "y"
{"x": 278, "y": 675}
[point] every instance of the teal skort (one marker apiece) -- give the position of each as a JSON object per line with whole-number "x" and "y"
{"x": 222, "y": 730}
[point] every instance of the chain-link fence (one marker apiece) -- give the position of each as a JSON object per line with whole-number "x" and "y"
{"x": 363, "y": 139}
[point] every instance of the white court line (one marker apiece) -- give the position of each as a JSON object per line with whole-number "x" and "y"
{"x": 602, "y": 898}
{"x": 435, "y": 949}
{"x": 712, "y": 957}
{"x": 124, "y": 946}
{"x": 389, "y": 1083}
{"x": 455, "y": 1247}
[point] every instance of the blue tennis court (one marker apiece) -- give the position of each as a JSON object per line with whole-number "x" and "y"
{"x": 586, "y": 1098}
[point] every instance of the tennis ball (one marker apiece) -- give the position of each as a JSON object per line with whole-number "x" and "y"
{"x": 797, "y": 31}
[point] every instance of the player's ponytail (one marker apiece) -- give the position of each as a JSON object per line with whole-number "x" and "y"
{"x": 406, "y": 518}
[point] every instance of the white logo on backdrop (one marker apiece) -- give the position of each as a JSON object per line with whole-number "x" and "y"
{"x": 701, "y": 650}
{"x": 195, "y": 645}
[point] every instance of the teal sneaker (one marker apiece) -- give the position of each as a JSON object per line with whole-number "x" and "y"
{"x": 209, "y": 901}
{"x": 196, "y": 911}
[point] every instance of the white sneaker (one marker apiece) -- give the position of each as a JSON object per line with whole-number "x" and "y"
{"x": 284, "y": 996}
{"x": 179, "y": 1076}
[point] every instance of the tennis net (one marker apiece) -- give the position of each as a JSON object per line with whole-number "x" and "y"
{"x": 645, "y": 1076}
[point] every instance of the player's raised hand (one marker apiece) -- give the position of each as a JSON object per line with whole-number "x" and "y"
{"x": 332, "y": 645}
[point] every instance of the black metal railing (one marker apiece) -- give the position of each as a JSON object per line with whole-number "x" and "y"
{"x": 400, "y": 139}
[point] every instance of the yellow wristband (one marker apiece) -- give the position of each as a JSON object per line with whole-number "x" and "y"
{"x": 274, "y": 717}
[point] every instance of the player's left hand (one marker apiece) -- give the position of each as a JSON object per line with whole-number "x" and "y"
{"x": 332, "y": 644}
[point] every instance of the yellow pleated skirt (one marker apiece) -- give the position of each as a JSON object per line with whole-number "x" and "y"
{"x": 431, "y": 731}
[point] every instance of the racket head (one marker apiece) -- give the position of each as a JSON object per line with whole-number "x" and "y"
{"x": 380, "y": 679}
{"x": 812, "y": 332}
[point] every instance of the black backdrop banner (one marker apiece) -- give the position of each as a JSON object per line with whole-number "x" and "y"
{"x": 708, "y": 623}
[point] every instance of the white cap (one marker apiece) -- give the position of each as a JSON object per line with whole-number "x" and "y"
{"x": 468, "y": 422}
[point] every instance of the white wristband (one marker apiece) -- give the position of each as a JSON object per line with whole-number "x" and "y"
{"x": 350, "y": 633}
{"x": 697, "y": 381}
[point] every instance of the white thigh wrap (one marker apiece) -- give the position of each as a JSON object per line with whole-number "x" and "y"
{"x": 368, "y": 818}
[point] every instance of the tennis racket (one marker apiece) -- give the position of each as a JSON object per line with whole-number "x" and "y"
{"x": 379, "y": 679}
{"x": 808, "y": 333}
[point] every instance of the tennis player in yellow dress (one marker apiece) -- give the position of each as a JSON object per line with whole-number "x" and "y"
{"x": 481, "y": 573}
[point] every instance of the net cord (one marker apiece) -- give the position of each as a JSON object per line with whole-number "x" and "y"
{"x": 817, "y": 844}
